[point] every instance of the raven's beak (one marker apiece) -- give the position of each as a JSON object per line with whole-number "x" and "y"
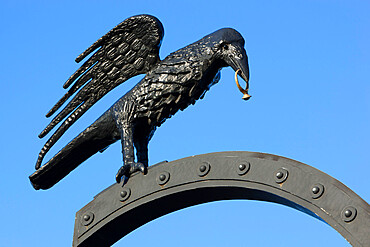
{"x": 238, "y": 60}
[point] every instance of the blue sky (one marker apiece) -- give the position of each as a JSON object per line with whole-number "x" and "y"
{"x": 309, "y": 63}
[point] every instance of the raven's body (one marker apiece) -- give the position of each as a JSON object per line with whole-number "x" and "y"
{"x": 170, "y": 85}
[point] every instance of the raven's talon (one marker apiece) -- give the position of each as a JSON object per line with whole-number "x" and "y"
{"x": 127, "y": 170}
{"x": 123, "y": 171}
{"x": 135, "y": 167}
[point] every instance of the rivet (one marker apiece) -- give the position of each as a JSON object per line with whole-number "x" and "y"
{"x": 349, "y": 213}
{"x": 281, "y": 175}
{"x": 243, "y": 167}
{"x": 317, "y": 190}
{"x": 87, "y": 218}
{"x": 163, "y": 178}
{"x": 124, "y": 194}
{"x": 204, "y": 169}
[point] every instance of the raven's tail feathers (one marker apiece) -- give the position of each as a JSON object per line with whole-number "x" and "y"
{"x": 98, "y": 136}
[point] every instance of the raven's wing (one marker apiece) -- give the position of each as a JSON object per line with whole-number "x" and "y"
{"x": 129, "y": 49}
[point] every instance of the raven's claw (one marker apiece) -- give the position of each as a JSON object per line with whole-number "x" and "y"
{"x": 127, "y": 170}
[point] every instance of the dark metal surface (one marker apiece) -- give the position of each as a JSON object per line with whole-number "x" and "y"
{"x": 171, "y": 186}
{"x": 170, "y": 85}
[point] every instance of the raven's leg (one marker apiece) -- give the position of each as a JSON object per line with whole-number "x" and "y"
{"x": 141, "y": 146}
{"x": 129, "y": 166}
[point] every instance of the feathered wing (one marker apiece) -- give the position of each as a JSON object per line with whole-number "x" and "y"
{"x": 129, "y": 49}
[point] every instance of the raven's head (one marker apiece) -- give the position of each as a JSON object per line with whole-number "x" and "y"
{"x": 229, "y": 48}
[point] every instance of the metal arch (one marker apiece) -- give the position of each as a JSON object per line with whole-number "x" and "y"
{"x": 170, "y": 186}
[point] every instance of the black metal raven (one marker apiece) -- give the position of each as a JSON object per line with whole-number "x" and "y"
{"x": 129, "y": 49}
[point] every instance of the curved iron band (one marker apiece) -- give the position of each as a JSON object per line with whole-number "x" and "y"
{"x": 168, "y": 187}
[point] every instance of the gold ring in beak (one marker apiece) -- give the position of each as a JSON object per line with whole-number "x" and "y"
{"x": 246, "y": 96}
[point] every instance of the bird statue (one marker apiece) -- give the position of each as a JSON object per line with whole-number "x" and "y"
{"x": 129, "y": 49}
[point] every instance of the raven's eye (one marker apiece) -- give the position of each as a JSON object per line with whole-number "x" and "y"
{"x": 225, "y": 46}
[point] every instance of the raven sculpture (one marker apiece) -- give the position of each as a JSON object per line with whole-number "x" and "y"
{"x": 172, "y": 84}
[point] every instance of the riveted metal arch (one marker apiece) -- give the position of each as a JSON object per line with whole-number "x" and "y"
{"x": 170, "y": 186}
